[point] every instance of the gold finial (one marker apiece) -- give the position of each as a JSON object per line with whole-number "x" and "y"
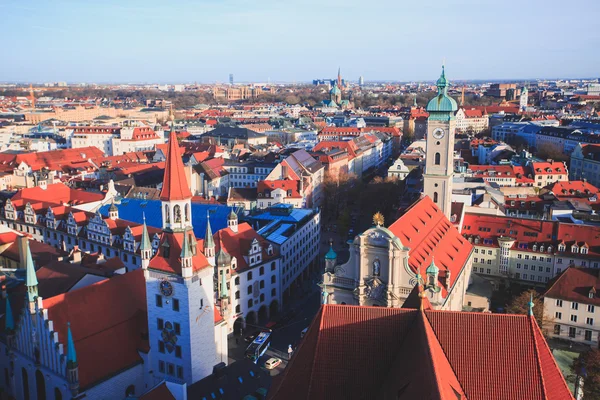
{"x": 378, "y": 219}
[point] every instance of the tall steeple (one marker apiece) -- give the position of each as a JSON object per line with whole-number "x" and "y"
{"x": 209, "y": 243}
{"x": 175, "y": 194}
{"x": 31, "y": 281}
{"x": 72, "y": 364}
{"x": 339, "y": 77}
{"x": 145, "y": 245}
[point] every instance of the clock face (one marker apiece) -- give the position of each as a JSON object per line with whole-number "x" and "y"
{"x": 166, "y": 289}
{"x": 438, "y": 133}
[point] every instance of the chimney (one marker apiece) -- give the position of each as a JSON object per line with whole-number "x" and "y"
{"x": 76, "y": 255}
{"x": 21, "y": 244}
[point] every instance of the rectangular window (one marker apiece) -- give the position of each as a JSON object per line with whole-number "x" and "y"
{"x": 161, "y": 346}
{"x": 557, "y": 329}
{"x": 160, "y": 324}
{"x": 489, "y": 271}
{"x": 573, "y": 318}
{"x": 588, "y": 336}
{"x": 178, "y": 351}
{"x": 158, "y": 300}
{"x": 572, "y": 332}
{"x": 177, "y": 328}
{"x": 589, "y": 321}
{"x": 175, "y": 305}
{"x": 558, "y": 303}
{"x": 574, "y": 306}
{"x": 170, "y": 369}
{"x": 519, "y": 265}
{"x": 558, "y": 315}
{"x": 179, "y": 372}
{"x": 161, "y": 366}
{"x": 591, "y": 308}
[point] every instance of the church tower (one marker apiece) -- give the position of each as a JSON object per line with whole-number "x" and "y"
{"x": 523, "y": 99}
{"x": 439, "y": 160}
{"x": 179, "y": 286}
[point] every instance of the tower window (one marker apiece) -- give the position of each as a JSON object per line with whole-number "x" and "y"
{"x": 175, "y": 305}
{"x": 177, "y": 328}
{"x": 437, "y": 158}
{"x": 178, "y": 351}
{"x": 160, "y": 324}
{"x": 158, "y": 300}
{"x": 435, "y": 197}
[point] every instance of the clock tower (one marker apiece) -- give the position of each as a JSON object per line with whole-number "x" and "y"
{"x": 439, "y": 159}
{"x": 179, "y": 287}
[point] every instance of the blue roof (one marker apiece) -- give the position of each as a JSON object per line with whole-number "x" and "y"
{"x": 133, "y": 210}
{"x": 296, "y": 215}
{"x": 278, "y": 236}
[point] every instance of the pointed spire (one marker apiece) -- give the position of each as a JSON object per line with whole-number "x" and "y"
{"x": 530, "y": 304}
{"x": 175, "y": 184}
{"x": 208, "y": 237}
{"x": 224, "y": 291}
{"x": 9, "y": 321}
{"x": 145, "y": 244}
{"x": 186, "y": 249}
{"x": 31, "y": 279}
{"x": 71, "y": 354}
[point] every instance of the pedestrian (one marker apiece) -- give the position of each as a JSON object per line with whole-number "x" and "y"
{"x": 290, "y": 351}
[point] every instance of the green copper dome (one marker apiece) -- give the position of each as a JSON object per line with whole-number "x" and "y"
{"x": 331, "y": 255}
{"x": 432, "y": 269}
{"x": 442, "y": 102}
{"x": 335, "y": 89}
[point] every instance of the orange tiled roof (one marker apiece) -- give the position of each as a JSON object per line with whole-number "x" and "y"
{"x": 427, "y": 232}
{"x": 574, "y": 284}
{"x": 175, "y": 184}
{"x": 172, "y": 262}
{"x": 357, "y": 352}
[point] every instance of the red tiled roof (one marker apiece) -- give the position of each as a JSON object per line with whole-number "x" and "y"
{"x": 107, "y": 320}
{"x": 427, "y": 232}
{"x": 285, "y": 184}
{"x": 55, "y": 194}
{"x": 574, "y": 284}
{"x": 175, "y": 184}
{"x": 570, "y": 188}
{"x": 161, "y": 392}
{"x": 238, "y": 244}
{"x": 357, "y": 352}
{"x": 56, "y": 159}
{"x": 172, "y": 263}
{"x": 549, "y": 168}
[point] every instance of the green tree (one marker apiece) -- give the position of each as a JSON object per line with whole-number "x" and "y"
{"x": 520, "y": 305}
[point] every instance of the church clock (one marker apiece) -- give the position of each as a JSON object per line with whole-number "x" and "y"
{"x": 438, "y": 133}
{"x": 166, "y": 289}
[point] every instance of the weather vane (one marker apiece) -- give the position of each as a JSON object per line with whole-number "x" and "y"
{"x": 378, "y": 219}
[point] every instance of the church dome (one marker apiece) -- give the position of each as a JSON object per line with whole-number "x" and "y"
{"x": 331, "y": 255}
{"x": 232, "y": 215}
{"x": 335, "y": 89}
{"x": 442, "y": 102}
{"x": 223, "y": 258}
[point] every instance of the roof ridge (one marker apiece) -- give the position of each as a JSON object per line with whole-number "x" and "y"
{"x": 429, "y": 329}
{"x": 319, "y": 332}
{"x": 537, "y": 354}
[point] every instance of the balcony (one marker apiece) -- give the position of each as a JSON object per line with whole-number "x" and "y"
{"x": 338, "y": 281}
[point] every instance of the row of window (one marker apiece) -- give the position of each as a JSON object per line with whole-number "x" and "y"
{"x": 588, "y": 320}
{"x": 174, "y": 302}
{"x": 573, "y": 332}
{"x": 575, "y": 305}
{"x": 170, "y": 369}
{"x": 540, "y": 268}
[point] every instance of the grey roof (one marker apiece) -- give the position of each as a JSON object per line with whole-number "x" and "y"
{"x": 228, "y": 132}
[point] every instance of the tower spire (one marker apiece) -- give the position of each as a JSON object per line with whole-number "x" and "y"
{"x": 145, "y": 245}
{"x": 531, "y": 305}
{"x": 71, "y": 354}
{"x": 31, "y": 281}
{"x": 224, "y": 291}
{"x": 175, "y": 186}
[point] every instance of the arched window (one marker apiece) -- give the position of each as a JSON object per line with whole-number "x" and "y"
{"x": 167, "y": 214}
{"x": 437, "y": 158}
{"x": 177, "y": 214}
{"x": 187, "y": 213}
{"x": 25, "y": 384}
{"x": 130, "y": 391}
{"x": 57, "y": 394}
{"x": 40, "y": 384}
{"x": 435, "y": 197}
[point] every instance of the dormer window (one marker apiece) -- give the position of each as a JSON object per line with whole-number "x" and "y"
{"x": 549, "y": 249}
{"x": 584, "y": 250}
{"x": 592, "y": 293}
{"x": 534, "y": 247}
{"x": 574, "y": 249}
{"x": 561, "y": 247}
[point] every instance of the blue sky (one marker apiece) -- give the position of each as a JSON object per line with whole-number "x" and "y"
{"x": 205, "y": 40}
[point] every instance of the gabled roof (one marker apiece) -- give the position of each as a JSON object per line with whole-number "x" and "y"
{"x": 57, "y": 193}
{"x": 575, "y": 284}
{"x": 175, "y": 184}
{"x": 108, "y": 320}
{"x": 427, "y": 232}
{"x": 172, "y": 262}
{"x": 358, "y": 352}
{"x": 238, "y": 244}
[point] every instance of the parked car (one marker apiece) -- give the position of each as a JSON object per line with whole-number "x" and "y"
{"x": 272, "y": 363}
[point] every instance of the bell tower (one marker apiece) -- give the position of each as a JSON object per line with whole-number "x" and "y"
{"x": 439, "y": 160}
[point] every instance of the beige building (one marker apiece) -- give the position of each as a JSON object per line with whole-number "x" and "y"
{"x": 471, "y": 119}
{"x": 88, "y": 113}
{"x": 570, "y": 306}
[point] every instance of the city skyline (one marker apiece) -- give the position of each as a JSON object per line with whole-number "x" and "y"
{"x": 204, "y": 42}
